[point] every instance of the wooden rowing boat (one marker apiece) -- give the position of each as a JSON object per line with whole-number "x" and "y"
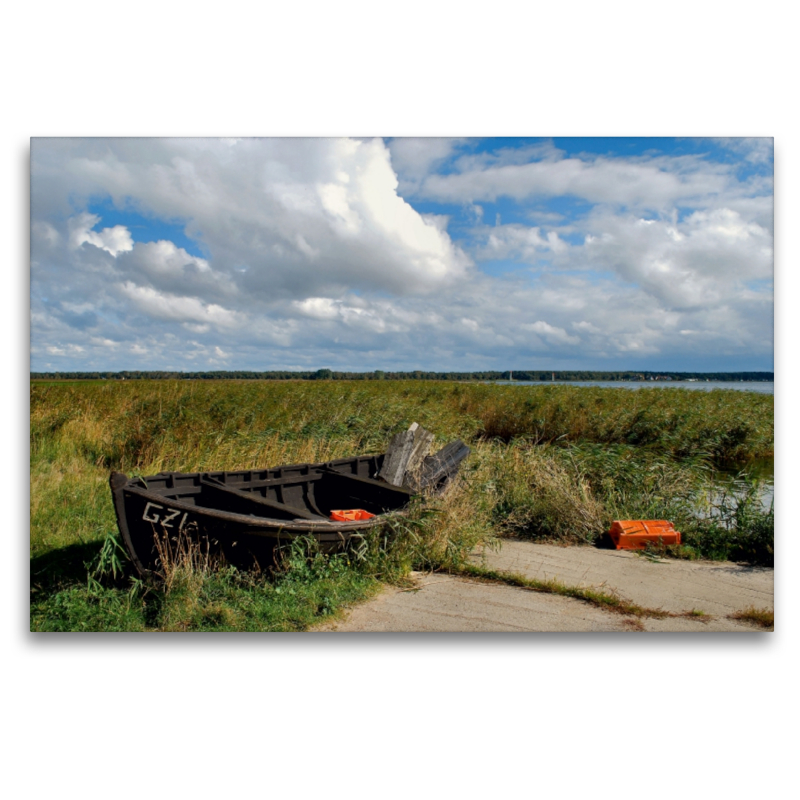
{"x": 243, "y": 515}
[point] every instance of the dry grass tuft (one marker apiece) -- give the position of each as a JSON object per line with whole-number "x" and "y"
{"x": 182, "y": 557}
{"x": 761, "y": 617}
{"x": 634, "y": 624}
{"x": 542, "y": 495}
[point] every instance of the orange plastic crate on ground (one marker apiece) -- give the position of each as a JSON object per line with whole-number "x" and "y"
{"x": 634, "y": 534}
{"x": 351, "y": 515}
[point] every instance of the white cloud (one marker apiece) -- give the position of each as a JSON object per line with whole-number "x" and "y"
{"x": 756, "y": 150}
{"x": 519, "y": 242}
{"x": 700, "y": 262}
{"x": 376, "y": 315}
{"x": 287, "y": 217}
{"x": 180, "y": 308}
{"x": 169, "y": 268}
{"x": 318, "y": 307}
{"x": 68, "y": 349}
{"x": 414, "y": 158}
{"x": 114, "y": 240}
{"x": 656, "y": 182}
{"x": 550, "y": 333}
{"x": 45, "y": 233}
{"x": 163, "y": 257}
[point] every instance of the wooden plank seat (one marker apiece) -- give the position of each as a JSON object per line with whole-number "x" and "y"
{"x": 226, "y": 498}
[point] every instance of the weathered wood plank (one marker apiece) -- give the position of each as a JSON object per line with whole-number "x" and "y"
{"x": 443, "y": 464}
{"x": 423, "y": 439}
{"x": 394, "y": 465}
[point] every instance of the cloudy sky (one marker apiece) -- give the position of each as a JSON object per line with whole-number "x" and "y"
{"x": 401, "y": 254}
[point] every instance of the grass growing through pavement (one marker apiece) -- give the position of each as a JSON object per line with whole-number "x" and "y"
{"x": 548, "y": 463}
{"x": 761, "y": 617}
{"x": 608, "y": 601}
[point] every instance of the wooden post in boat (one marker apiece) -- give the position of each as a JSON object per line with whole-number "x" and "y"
{"x": 394, "y": 465}
{"x": 405, "y": 454}
{"x": 439, "y": 469}
{"x": 422, "y": 446}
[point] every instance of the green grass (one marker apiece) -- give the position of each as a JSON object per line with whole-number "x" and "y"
{"x": 599, "y": 598}
{"x": 548, "y": 463}
{"x": 309, "y": 588}
{"x": 607, "y": 601}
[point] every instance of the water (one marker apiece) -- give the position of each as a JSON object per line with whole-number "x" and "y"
{"x": 761, "y": 387}
{"x": 760, "y": 468}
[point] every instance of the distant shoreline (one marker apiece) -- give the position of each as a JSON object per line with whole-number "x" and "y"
{"x": 536, "y": 376}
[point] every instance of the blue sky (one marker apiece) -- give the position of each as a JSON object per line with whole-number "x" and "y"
{"x": 438, "y": 254}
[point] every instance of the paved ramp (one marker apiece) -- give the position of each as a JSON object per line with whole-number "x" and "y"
{"x": 718, "y": 588}
{"x": 442, "y": 603}
{"x": 445, "y": 603}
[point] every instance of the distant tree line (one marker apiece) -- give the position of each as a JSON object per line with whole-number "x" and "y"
{"x": 378, "y": 375}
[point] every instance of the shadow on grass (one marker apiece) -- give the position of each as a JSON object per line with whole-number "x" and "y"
{"x": 65, "y": 596}
{"x": 58, "y": 569}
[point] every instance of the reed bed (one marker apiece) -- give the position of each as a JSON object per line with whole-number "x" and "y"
{"x": 549, "y": 463}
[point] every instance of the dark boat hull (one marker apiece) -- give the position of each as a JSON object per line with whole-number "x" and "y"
{"x": 244, "y": 515}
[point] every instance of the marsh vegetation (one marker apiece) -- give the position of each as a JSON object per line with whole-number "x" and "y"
{"x": 548, "y": 463}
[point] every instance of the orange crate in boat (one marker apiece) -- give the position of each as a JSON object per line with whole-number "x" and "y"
{"x": 351, "y": 515}
{"x": 634, "y": 534}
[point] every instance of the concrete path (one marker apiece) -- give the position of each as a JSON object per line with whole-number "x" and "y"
{"x": 718, "y": 588}
{"x": 446, "y": 603}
